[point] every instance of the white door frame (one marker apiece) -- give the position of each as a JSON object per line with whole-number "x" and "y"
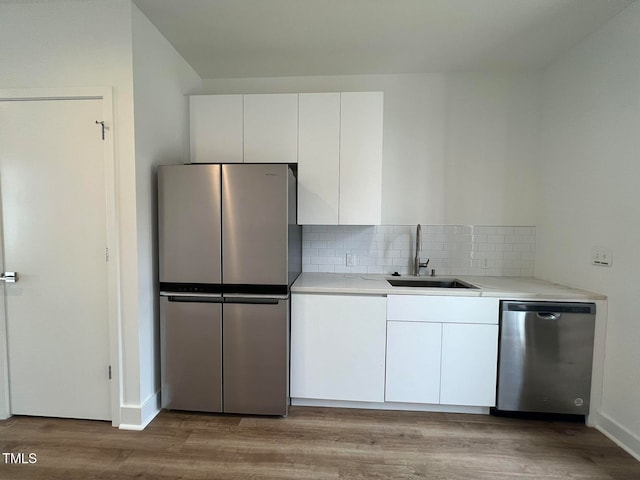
{"x": 113, "y": 280}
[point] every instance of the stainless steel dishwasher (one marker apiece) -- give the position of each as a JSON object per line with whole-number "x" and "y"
{"x": 545, "y": 357}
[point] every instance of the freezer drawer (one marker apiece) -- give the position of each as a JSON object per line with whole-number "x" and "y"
{"x": 191, "y": 352}
{"x": 256, "y": 358}
{"x": 546, "y": 353}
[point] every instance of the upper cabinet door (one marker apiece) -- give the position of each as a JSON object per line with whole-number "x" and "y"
{"x": 361, "y": 158}
{"x": 271, "y": 128}
{"x": 216, "y": 128}
{"x": 318, "y": 158}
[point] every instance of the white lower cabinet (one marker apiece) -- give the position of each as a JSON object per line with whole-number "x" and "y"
{"x": 469, "y": 364}
{"x": 338, "y": 347}
{"x": 442, "y": 350}
{"x": 400, "y": 348}
{"x": 413, "y": 362}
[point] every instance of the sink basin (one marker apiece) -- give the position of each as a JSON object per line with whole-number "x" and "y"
{"x": 430, "y": 283}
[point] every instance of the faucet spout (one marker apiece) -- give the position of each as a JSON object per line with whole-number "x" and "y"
{"x": 417, "y": 265}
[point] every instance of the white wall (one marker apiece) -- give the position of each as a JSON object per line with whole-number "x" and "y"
{"x": 161, "y": 78}
{"x": 454, "y": 145}
{"x": 491, "y": 143}
{"x": 110, "y": 43}
{"x": 80, "y": 44}
{"x": 589, "y": 196}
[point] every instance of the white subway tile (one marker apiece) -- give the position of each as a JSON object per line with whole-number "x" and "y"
{"x": 404, "y": 229}
{"x": 479, "y": 238}
{"x": 329, "y": 237}
{"x": 452, "y": 249}
{"x": 495, "y": 238}
{"x": 400, "y": 261}
{"x": 326, "y": 268}
{"x": 485, "y": 230}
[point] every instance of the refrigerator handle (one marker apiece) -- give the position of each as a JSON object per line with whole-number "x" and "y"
{"x": 194, "y": 299}
{"x": 254, "y": 300}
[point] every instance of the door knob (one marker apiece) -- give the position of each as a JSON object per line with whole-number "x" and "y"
{"x": 9, "y": 277}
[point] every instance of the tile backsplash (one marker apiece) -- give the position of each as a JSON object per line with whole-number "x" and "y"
{"x": 452, "y": 249}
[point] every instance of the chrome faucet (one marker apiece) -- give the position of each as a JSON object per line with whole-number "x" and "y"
{"x": 416, "y": 261}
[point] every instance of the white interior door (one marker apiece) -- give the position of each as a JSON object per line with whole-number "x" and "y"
{"x": 54, "y": 226}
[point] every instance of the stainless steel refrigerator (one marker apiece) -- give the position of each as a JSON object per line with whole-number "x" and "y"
{"x": 229, "y": 251}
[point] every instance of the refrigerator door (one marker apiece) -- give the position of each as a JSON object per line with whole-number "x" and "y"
{"x": 254, "y": 226}
{"x": 191, "y": 353}
{"x": 189, "y": 226}
{"x": 256, "y": 357}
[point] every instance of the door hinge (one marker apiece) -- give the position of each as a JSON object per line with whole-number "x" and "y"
{"x": 106, "y": 254}
{"x": 109, "y": 372}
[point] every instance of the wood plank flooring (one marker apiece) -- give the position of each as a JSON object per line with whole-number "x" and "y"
{"x": 314, "y": 443}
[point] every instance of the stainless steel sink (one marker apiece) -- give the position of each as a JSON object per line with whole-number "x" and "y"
{"x": 430, "y": 283}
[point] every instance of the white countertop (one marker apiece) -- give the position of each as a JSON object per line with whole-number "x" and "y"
{"x": 514, "y": 288}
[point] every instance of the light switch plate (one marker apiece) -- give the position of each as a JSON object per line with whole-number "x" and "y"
{"x": 602, "y": 256}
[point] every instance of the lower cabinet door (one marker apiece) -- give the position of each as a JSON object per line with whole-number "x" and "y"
{"x": 338, "y": 347}
{"x": 469, "y": 364}
{"x": 413, "y": 362}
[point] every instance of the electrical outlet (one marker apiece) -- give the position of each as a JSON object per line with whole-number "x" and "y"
{"x": 485, "y": 262}
{"x": 351, "y": 260}
{"x": 602, "y": 256}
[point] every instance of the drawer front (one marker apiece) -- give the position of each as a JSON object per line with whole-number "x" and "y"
{"x": 449, "y": 309}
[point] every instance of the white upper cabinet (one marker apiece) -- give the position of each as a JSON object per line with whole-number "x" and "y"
{"x": 361, "y": 158}
{"x": 244, "y": 128}
{"x": 271, "y": 128}
{"x": 216, "y": 128}
{"x": 340, "y": 158}
{"x": 319, "y": 158}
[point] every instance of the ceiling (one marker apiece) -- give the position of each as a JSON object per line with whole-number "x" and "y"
{"x": 270, "y": 38}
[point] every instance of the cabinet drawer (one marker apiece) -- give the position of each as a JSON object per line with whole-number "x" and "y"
{"x": 449, "y": 309}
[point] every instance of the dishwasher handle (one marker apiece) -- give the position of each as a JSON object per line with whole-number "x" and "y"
{"x": 549, "y": 316}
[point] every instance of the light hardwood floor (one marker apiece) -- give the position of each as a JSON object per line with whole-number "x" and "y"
{"x": 314, "y": 443}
